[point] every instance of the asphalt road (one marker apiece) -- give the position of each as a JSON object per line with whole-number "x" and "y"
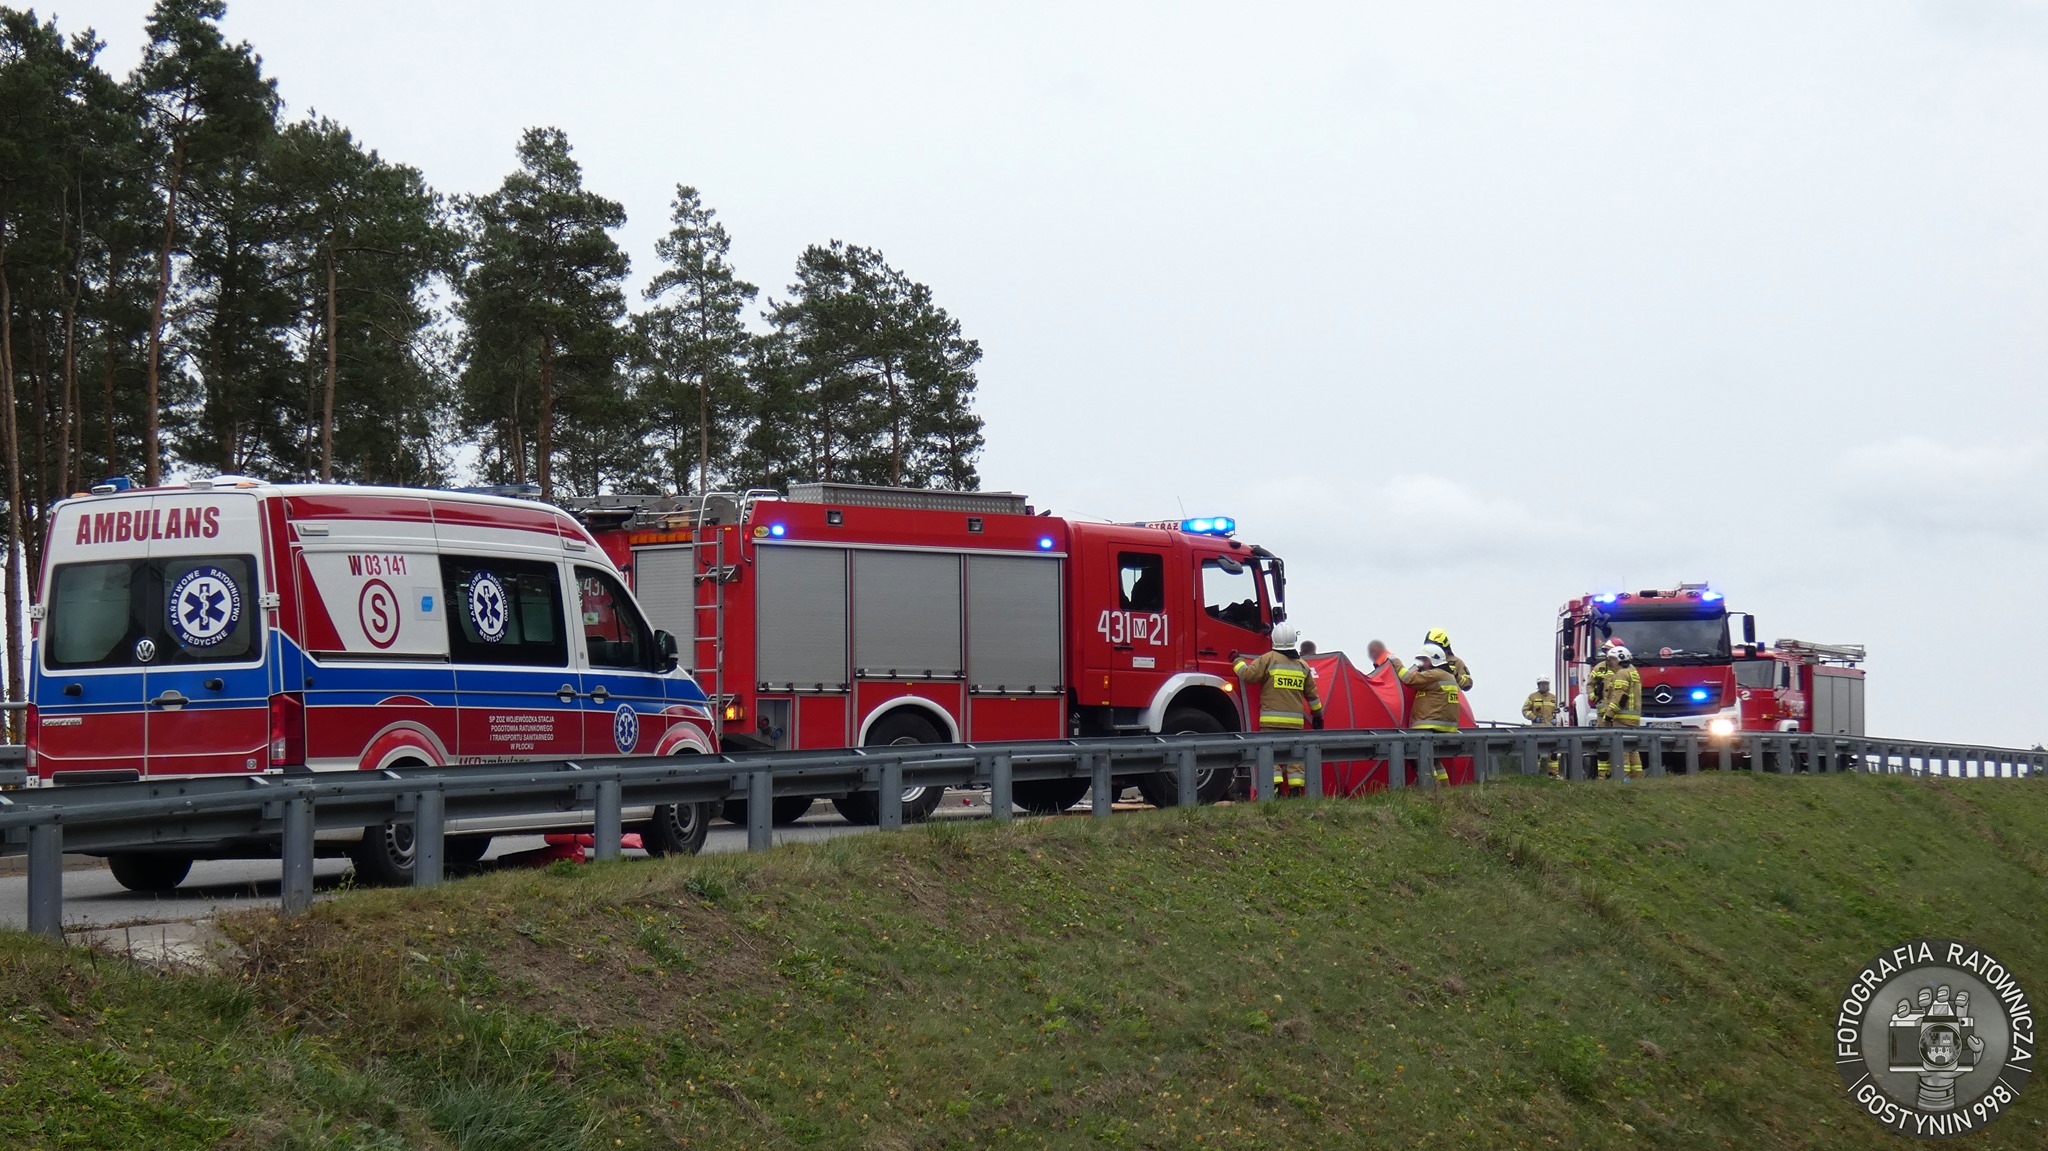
{"x": 93, "y": 900}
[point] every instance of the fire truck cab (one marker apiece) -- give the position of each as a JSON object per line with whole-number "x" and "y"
{"x": 1794, "y": 685}
{"x": 1679, "y": 639}
{"x": 841, "y": 615}
{"x": 233, "y": 627}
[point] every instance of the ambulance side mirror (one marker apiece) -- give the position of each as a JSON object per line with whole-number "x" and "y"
{"x": 665, "y": 645}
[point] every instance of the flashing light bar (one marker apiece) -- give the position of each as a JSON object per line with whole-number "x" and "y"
{"x": 1610, "y": 597}
{"x": 1209, "y": 526}
{"x": 1710, "y": 596}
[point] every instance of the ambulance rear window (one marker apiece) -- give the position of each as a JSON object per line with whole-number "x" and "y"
{"x": 136, "y": 613}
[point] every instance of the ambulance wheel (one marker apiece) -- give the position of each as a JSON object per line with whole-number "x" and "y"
{"x": 677, "y": 829}
{"x": 383, "y": 857}
{"x": 1048, "y": 796}
{"x": 1162, "y": 789}
{"x": 782, "y": 811}
{"x": 897, "y": 729}
{"x": 149, "y": 870}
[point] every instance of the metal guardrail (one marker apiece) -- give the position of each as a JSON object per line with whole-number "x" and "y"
{"x": 43, "y": 823}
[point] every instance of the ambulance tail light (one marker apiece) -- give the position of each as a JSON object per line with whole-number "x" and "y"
{"x": 287, "y": 728}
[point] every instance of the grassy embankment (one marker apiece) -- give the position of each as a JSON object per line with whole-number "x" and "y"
{"x": 1519, "y": 965}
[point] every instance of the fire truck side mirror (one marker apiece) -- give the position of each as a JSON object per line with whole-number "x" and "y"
{"x": 665, "y": 645}
{"x": 1749, "y": 629}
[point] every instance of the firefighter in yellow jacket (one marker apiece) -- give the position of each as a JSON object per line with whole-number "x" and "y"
{"x": 1439, "y": 684}
{"x": 1540, "y": 709}
{"x": 1287, "y": 699}
{"x": 1621, "y": 705}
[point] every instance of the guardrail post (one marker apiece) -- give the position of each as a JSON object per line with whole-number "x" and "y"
{"x": 1617, "y": 758}
{"x": 608, "y": 825}
{"x": 295, "y": 894}
{"x": 891, "y": 799}
{"x": 1001, "y": 793}
{"x": 46, "y": 880}
{"x": 1184, "y": 770}
{"x": 1262, "y": 775}
{"x": 1656, "y": 754}
{"x": 1397, "y": 764}
{"x": 1099, "y": 783}
{"x": 1692, "y": 754}
{"x": 429, "y": 838}
{"x": 1529, "y": 754}
{"x": 1312, "y": 769}
{"x": 1425, "y": 763}
{"x": 761, "y": 810}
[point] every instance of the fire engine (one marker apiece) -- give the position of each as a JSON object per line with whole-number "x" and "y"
{"x": 234, "y": 627}
{"x": 840, "y": 615}
{"x": 1696, "y": 676}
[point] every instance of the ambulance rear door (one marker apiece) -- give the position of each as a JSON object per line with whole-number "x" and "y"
{"x": 208, "y": 687}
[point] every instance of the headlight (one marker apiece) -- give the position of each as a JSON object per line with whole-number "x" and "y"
{"x": 1720, "y": 727}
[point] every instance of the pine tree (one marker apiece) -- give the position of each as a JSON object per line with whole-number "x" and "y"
{"x": 693, "y": 346}
{"x": 206, "y": 108}
{"x": 541, "y": 298}
{"x": 875, "y": 373}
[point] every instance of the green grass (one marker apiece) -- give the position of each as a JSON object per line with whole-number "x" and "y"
{"x": 1515, "y": 965}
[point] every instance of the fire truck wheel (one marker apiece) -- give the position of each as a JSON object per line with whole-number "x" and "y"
{"x": 783, "y": 811}
{"x": 1162, "y": 789}
{"x": 1048, "y": 796}
{"x": 894, "y": 730}
{"x": 383, "y": 857}
{"x": 678, "y": 828}
{"x": 148, "y": 870}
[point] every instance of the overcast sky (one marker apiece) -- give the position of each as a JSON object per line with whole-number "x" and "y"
{"x": 1465, "y": 309}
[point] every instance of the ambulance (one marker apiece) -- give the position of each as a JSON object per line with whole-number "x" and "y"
{"x": 234, "y": 627}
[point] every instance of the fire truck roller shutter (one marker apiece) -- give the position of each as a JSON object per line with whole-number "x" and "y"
{"x": 906, "y": 615}
{"x": 800, "y": 617}
{"x": 1013, "y": 624}
{"x": 662, "y": 582}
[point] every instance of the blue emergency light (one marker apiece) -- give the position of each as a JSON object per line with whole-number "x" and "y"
{"x": 1710, "y": 596}
{"x": 1610, "y": 597}
{"x": 1699, "y": 695}
{"x": 1045, "y": 543}
{"x": 777, "y": 530}
{"x": 1209, "y": 526}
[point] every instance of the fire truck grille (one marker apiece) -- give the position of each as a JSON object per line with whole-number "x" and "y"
{"x": 1679, "y": 699}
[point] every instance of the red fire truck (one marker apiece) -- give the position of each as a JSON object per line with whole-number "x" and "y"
{"x": 1696, "y": 676}
{"x": 839, "y": 615}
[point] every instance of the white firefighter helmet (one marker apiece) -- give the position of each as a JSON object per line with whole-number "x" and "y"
{"x": 1618, "y": 653}
{"x": 1285, "y": 637}
{"x": 1434, "y": 653}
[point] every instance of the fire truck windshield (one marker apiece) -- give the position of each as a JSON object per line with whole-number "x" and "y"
{"x": 1696, "y": 639}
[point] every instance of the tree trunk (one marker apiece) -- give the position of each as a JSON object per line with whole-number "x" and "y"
{"x": 895, "y": 426}
{"x": 13, "y": 459}
{"x": 544, "y": 438}
{"x": 703, "y": 432}
{"x": 152, "y": 451}
{"x": 327, "y": 400}
{"x": 107, "y": 415}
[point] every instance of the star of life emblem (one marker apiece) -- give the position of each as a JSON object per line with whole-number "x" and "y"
{"x": 204, "y": 606}
{"x": 626, "y": 729}
{"x": 487, "y": 607}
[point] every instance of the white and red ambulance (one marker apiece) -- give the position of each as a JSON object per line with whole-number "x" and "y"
{"x": 229, "y": 626}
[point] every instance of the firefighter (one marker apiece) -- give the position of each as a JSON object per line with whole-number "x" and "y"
{"x": 1596, "y": 679}
{"x": 1455, "y": 666}
{"x": 1621, "y": 705}
{"x": 1540, "y": 709}
{"x": 1437, "y": 691}
{"x": 1287, "y": 699}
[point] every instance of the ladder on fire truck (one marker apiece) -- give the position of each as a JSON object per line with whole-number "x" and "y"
{"x": 1845, "y": 654}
